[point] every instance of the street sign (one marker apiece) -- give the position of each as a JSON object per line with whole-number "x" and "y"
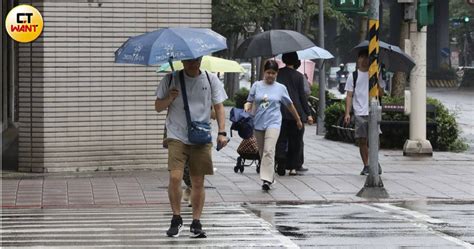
{"x": 445, "y": 52}
{"x": 348, "y": 5}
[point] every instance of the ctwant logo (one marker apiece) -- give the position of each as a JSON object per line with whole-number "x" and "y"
{"x": 24, "y": 23}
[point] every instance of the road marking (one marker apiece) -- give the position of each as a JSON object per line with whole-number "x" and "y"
{"x": 421, "y": 220}
{"x": 226, "y": 226}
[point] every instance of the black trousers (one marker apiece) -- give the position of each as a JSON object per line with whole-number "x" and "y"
{"x": 290, "y": 145}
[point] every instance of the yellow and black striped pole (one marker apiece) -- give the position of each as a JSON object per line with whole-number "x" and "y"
{"x": 373, "y": 57}
{"x": 373, "y": 187}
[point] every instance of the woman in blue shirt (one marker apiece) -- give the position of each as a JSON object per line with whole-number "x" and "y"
{"x": 264, "y": 100}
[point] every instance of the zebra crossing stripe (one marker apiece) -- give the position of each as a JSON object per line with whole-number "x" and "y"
{"x": 225, "y": 225}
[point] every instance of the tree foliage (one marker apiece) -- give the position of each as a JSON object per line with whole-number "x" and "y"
{"x": 231, "y": 17}
{"x": 458, "y": 9}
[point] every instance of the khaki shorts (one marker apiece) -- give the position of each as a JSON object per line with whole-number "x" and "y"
{"x": 198, "y": 156}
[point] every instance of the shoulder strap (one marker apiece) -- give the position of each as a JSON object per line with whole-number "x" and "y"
{"x": 185, "y": 97}
{"x": 209, "y": 80}
{"x": 354, "y": 79}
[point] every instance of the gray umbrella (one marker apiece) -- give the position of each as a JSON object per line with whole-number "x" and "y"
{"x": 273, "y": 42}
{"x": 394, "y": 59}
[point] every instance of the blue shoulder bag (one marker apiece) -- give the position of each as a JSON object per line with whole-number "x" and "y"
{"x": 198, "y": 132}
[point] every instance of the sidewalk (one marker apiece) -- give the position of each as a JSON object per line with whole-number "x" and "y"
{"x": 333, "y": 176}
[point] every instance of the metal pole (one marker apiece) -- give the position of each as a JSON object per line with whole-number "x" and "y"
{"x": 322, "y": 73}
{"x": 299, "y": 21}
{"x": 373, "y": 187}
{"x": 418, "y": 145}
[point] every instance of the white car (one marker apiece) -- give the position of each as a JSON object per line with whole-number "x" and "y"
{"x": 247, "y": 66}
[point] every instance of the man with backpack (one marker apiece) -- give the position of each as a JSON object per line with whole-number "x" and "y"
{"x": 357, "y": 99}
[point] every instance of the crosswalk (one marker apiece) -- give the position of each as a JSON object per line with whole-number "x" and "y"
{"x": 226, "y": 226}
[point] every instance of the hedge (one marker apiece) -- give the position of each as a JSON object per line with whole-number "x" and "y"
{"x": 447, "y": 129}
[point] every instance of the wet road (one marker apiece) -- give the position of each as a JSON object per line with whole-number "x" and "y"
{"x": 461, "y": 102}
{"x": 374, "y": 225}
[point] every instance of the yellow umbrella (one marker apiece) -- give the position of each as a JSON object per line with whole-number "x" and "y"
{"x": 211, "y": 64}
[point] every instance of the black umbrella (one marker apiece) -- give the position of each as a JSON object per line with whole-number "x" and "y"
{"x": 273, "y": 42}
{"x": 394, "y": 59}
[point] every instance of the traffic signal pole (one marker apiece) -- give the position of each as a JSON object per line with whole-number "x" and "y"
{"x": 322, "y": 75}
{"x": 417, "y": 144}
{"x": 373, "y": 187}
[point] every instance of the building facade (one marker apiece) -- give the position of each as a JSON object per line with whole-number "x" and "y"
{"x": 76, "y": 110}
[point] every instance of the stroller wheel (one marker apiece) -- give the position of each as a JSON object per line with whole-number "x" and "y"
{"x": 239, "y": 166}
{"x": 258, "y": 167}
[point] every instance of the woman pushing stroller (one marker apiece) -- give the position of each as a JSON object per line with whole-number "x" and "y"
{"x": 265, "y": 99}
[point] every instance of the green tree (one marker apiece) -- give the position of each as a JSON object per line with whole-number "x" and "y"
{"x": 461, "y": 32}
{"x": 231, "y": 17}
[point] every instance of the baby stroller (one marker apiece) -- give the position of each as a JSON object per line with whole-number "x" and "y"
{"x": 242, "y": 122}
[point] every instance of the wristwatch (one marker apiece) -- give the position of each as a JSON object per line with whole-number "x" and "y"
{"x": 223, "y": 133}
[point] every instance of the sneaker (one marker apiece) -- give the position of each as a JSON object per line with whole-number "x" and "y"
{"x": 187, "y": 194}
{"x": 266, "y": 186}
{"x": 175, "y": 227}
{"x": 292, "y": 172}
{"x": 365, "y": 171}
{"x": 196, "y": 230}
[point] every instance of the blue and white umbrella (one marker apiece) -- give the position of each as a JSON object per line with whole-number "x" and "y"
{"x": 312, "y": 53}
{"x": 167, "y": 44}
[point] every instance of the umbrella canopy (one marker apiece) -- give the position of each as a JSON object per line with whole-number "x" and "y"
{"x": 312, "y": 53}
{"x": 211, "y": 64}
{"x": 273, "y": 42}
{"x": 392, "y": 56}
{"x": 167, "y": 44}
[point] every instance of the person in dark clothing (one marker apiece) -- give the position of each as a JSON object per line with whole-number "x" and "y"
{"x": 290, "y": 141}
{"x": 341, "y": 78}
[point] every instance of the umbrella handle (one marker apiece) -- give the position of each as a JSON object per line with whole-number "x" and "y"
{"x": 170, "y": 61}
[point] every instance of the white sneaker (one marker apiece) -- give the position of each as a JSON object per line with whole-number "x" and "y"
{"x": 187, "y": 194}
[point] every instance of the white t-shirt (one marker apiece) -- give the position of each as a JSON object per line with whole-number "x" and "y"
{"x": 360, "y": 98}
{"x": 200, "y": 100}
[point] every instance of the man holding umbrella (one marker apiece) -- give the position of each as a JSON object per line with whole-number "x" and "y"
{"x": 357, "y": 99}
{"x": 203, "y": 89}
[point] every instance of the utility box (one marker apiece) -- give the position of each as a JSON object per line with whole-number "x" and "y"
{"x": 409, "y": 12}
{"x": 407, "y": 105}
